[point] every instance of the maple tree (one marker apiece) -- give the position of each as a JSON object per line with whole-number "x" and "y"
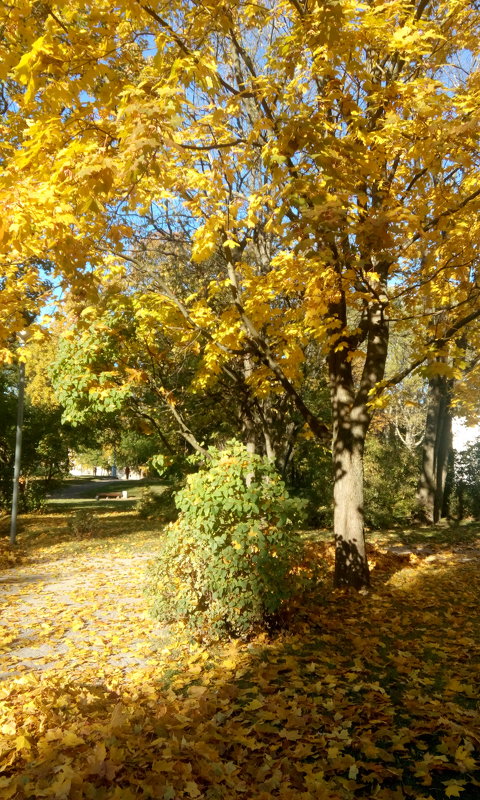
{"x": 326, "y": 153}
{"x": 28, "y": 215}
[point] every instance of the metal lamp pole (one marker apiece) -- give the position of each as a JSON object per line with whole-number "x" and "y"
{"x": 18, "y": 452}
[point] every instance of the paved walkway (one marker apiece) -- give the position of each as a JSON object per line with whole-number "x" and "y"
{"x": 83, "y": 613}
{"x": 75, "y": 491}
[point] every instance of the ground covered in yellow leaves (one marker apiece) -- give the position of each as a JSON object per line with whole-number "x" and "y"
{"x": 368, "y": 696}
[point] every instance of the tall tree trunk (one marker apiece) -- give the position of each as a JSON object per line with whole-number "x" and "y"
{"x": 247, "y": 414}
{"x": 461, "y": 500}
{"x": 350, "y": 424}
{"x": 351, "y": 566}
{"x": 437, "y": 445}
{"x": 444, "y": 446}
{"x": 292, "y": 432}
{"x": 449, "y": 482}
{"x": 269, "y": 446}
{"x": 426, "y": 485}
{"x": 351, "y": 419}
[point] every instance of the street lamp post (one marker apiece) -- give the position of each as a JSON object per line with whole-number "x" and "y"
{"x": 18, "y": 452}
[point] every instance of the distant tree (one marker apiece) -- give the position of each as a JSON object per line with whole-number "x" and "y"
{"x": 45, "y": 442}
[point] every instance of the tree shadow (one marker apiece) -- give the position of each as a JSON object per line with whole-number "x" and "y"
{"x": 351, "y": 566}
{"x": 46, "y": 530}
{"x": 23, "y": 579}
{"x": 444, "y": 533}
{"x": 366, "y": 696}
{"x": 68, "y": 505}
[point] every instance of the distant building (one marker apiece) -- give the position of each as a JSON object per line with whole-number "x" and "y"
{"x": 78, "y": 469}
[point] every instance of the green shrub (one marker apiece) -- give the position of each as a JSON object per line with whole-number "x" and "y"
{"x": 225, "y": 566}
{"x": 310, "y": 477}
{"x": 147, "y": 503}
{"x": 83, "y": 524}
{"x": 466, "y": 500}
{"x": 151, "y": 504}
{"x": 34, "y": 497}
{"x": 391, "y": 476}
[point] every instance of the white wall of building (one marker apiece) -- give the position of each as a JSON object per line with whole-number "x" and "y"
{"x": 78, "y": 470}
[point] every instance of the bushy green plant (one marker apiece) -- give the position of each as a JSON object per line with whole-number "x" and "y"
{"x": 161, "y": 506}
{"x": 34, "y": 497}
{"x": 83, "y": 524}
{"x": 147, "y": 503}
{"x": 391, "y": 476}
{"x": 310, "y": 476}
{"x": 466, "y": 501}
{"x": 225, "y": 565}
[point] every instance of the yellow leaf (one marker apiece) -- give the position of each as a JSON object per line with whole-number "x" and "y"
{"x": 8, "y": 728}
{"x": 72, "y": 740}
{"x": 119, "y": 717}
{"x": 192, "y": 789}
{"x": 255, "y": 704}
{"x": 292, "y": 736}
{"x": 60, "y": 788}
{"x": 197, "y": 691}
{"x": 100, "y": 751}
{"x": 464, "y": 758}
{"x": 8, "y": 787}
{"x": 353, "y": 772}
{"x": 22, "y": 743}
{"x": 453, "y": 788}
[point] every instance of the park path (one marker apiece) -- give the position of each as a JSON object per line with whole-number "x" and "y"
{"x": 84, "y": 613}
{"x": 75, "y": 491}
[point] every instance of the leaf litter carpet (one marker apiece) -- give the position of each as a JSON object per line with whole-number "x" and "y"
{"x": 370, "y": 696}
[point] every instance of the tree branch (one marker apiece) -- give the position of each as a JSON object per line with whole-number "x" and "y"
{"x": 265, "y": 355}
{"x": 438, "y": 343}
{"x": 183, "y": 47}
{"x": 184, "y": 430}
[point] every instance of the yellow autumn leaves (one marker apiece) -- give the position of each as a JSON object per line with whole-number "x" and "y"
{"x": 356, "y": 698}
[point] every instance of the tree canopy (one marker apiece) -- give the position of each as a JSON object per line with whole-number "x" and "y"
{"x": 315, "y": 164}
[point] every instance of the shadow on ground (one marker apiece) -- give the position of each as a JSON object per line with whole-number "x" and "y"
{"x": 368, "y": 696}
{"x": 24, "y": 579}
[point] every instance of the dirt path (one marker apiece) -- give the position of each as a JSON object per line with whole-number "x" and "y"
{"x": 83, "y": 613}
{"x": 82, "y": 610}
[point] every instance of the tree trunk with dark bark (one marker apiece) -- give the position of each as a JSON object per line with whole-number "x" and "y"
{"x": 351, "y": 566}
{"x": 426, "y": 485}
{"x": 437, "y": 445}
{"x": 443, "y": 449}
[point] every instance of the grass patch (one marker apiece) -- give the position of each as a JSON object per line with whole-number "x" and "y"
{"x": 80, "y": 493}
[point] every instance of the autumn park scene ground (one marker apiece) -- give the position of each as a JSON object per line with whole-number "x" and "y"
{"x": 377, "y": 698}
{"x": 239, "y": 399}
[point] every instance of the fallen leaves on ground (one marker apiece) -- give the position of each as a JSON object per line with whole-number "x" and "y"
{"x": 368, "y": 696}
{"x": 10, "y": 556}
